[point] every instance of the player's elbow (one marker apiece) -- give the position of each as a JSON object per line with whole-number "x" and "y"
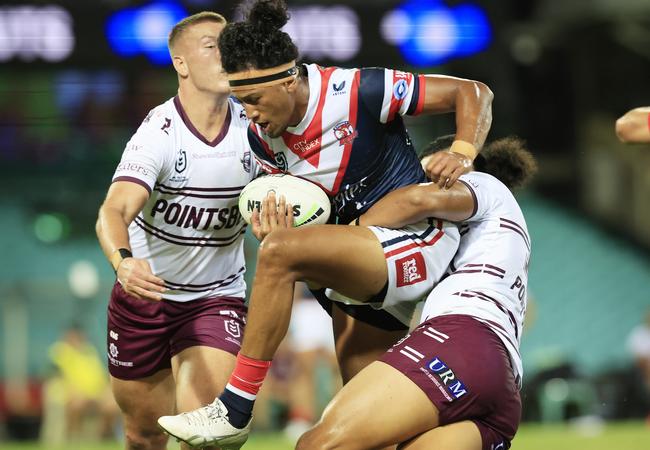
{"x": 624, "y": 129}
{"x": 484, "y": 91}
{"x": 98, "y": 222}
{"x": 423, "y": 201}
{"x": 105, "y": 214}
{"x": 480, "y": 91}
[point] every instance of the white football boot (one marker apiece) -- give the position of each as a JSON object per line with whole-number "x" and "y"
{"x": 206, "y": 426}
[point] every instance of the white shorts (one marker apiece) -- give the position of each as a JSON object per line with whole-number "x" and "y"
{"x": 417, "y": 257}
{"x": 310, "y": 327}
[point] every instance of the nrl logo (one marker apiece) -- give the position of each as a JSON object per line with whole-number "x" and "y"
{"x": 181, "y": 161}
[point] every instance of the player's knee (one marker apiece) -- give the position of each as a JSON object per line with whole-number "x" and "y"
{"x": 312, "y": 439}
{"x": 321, "y": 439}
{"x": 275, "y": 250}
{"x": 145, "y": 439}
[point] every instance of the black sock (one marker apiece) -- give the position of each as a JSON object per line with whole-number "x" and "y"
{"x": 240, "y": 409}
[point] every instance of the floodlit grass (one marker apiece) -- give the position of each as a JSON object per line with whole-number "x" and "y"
{"x": 255, "y": 442}
{"x": 588, "y": 436}
{"x": 619, "y": 436}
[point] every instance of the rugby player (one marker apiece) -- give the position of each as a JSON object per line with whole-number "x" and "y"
{"x": 171, "y": 228}
{"x": 341, "y": 129}
{"x": 454, "y": 381}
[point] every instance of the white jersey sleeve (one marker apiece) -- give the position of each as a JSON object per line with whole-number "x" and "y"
{"x": 483, "y": 191}
{"x": 147, "y": 154}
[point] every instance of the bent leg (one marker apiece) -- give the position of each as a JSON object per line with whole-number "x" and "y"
{"x": 377, "y": 408}
{"x": 201, "y": 373}
{"x": 142, "y": 402}
{"x": 456, "y": 436}
{"x": 347, "y": 259}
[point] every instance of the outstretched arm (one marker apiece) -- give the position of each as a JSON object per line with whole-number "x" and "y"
{"x": 634, "y": 126}
{"x": 414, "y": 203}
{"x": 472, "y": 102}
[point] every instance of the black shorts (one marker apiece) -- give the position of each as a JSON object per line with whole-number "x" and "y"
{"x": 378, "y": 318}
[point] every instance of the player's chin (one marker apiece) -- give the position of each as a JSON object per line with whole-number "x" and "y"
{"x": 220, "y": 88}
{"x": 272, "y": 132}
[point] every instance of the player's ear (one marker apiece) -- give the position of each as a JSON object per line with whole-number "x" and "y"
{"x": 180, "y": 65}
{"x": 291, "y": 85}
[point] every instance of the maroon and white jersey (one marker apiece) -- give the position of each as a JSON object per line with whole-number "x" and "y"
{"x": 487, "y": 278}
{"x": 190, "y": 229}
{"x": 352, "y": 141}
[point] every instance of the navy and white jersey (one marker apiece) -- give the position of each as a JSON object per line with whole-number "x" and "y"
{"x": 352, "y": 141}
{"x": 488, "y": 277}
{"x": 190, "y": 230}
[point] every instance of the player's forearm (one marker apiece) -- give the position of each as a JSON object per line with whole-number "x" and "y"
{"x": 472, "y": 103}
{"x": 112, "y": 230}
{"x": 415, "y": 203}
{"x": 399, "y": 208}
{"x": 473, "y": 117}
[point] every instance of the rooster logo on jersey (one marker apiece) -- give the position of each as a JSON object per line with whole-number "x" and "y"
{"x": 345, "y": 132}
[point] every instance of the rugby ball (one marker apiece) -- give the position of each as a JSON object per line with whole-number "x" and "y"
{"x": 310, "y": 203}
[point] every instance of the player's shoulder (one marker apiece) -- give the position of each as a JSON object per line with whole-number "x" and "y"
{"x": 486, "y": 188}
{"x": 493, "y": 197}
{"x": 338, "y": 77}
{"x": 159, "y": 121}
{"x": 482, "y": 180}
{"x": 373, "y": 81}
{"x": 239, "y": 119}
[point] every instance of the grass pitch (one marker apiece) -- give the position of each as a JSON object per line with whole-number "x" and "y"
{"x": 619, "y": 436}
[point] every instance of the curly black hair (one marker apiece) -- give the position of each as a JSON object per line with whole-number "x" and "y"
{"x": 506, "y": 159}
{"x": 258, "y": 42}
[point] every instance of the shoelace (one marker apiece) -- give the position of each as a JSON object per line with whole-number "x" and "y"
{"x": 214, "y": 411}
{"x": 203, "y": 416}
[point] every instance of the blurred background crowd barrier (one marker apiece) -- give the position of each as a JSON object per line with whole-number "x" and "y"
{"x": 77, "y": 78}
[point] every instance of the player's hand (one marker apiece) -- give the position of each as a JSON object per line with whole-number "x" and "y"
{"x": 444, "y": 168}
{"x": 274, "y": 215}
{"x": 138, "y": 280}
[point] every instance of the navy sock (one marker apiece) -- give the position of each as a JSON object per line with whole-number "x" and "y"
{"x": 240, "y": 409}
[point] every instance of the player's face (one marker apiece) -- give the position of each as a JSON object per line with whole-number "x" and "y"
{"x": 272, "y": 108}
{"x": 199, "y": 46}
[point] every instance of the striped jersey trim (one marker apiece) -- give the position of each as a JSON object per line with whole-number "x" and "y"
{"x": 212, "y": 284}
{"x": 392, "y": 247}
{"x": 488, "y": 269}
{"x": 186, "y": 240}
{"x": 514, "y": 226}
{"x": 487, "y": 298}
{"x": 134, "y": 180}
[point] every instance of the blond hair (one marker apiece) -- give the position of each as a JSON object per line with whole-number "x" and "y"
{"x": 180, "y": 27}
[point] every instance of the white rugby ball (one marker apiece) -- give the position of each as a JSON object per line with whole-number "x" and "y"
{"x": 310, "y": 203}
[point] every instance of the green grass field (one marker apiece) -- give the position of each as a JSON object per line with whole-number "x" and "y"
{"x": 616, "y": 436}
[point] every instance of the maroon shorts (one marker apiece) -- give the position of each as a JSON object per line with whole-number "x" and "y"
{"x": 465, "y": 371}
{"x": 143, "y": 335}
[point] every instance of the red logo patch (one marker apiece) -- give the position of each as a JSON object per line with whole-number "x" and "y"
{"x": 345, "y": 132}
{"x": 410, "y": 269}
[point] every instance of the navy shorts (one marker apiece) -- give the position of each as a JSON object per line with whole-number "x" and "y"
{"x": 144, "y": 335}
{"x": 378, "y": 318}
{"x": 464, "y": 369}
